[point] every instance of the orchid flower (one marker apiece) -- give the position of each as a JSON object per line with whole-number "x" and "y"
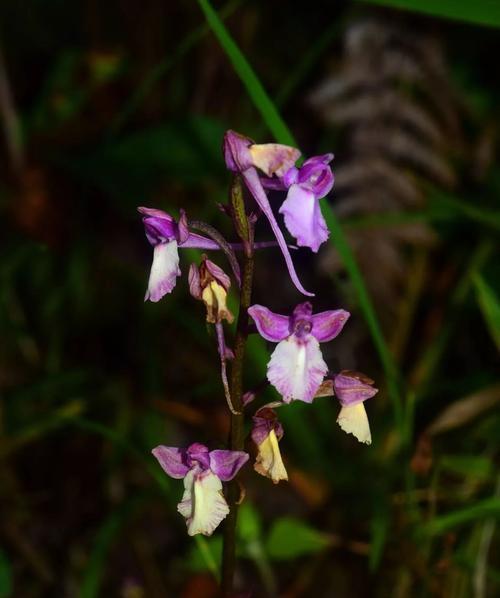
{"x": 245, "y": 157}
{"x": 296, "y": 368}
{"x": 166, "y": 235}
{"x": 210, "y": 284}
{"x": 306, "y": 186}
{"x": 203, "y": 504}
{"x": 266, "y": 433}
{"x": 352, "y": 389}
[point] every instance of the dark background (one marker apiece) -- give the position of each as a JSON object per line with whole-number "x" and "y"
{"x": 107, "y": 106}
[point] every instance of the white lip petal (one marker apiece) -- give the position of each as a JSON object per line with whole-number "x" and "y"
{"x": 296, "y": 368}
{"x": 353, "y": 420}
{"x": 164, "y": 271}
{"x": 269, "y": 462}
{"x": 202, "y": 504}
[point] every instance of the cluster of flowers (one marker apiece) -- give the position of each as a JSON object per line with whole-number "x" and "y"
{"x": 296, "y": 368}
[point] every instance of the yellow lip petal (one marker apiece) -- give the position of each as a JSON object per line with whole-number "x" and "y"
{"x": 269, "y": 462}
{"x": 353, "y": 420}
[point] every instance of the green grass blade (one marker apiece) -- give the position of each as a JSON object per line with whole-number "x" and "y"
{"x": 5, "y": 576}
{"x": 340, "y": 242}
{"x": 489, "y": 302}
{"x": 282, "y": 134}
{"x": 479, "y": 12}
{"x": 489, "y": 507}
{"x": 256, "y": 91}
{"x": 106, "y": 535}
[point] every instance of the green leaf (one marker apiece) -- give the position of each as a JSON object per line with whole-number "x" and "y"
{"x": 290, "y": 538}
{"x": 489, "y": 302}
{"x": 5, "y": 576}
{"x": 467, "y": 465}
{"x": 489, "y": 507}
{"x": 249, "y": 523}
{"x": 478, "y": 12}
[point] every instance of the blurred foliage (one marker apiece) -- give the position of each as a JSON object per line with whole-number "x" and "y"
{"x": 104, "y": 107}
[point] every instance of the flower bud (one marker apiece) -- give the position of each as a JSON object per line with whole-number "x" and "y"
{"x": 209, "y": 283}
{"x": 352, "y": 389}
{"x": 266, "y": 433}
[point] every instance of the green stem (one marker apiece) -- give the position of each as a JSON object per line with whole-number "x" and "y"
{"x": 237, "y": 436}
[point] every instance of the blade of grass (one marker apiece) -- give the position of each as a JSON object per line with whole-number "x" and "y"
{"x": 480, "y": 12}
{"x": 252, "y": 84}
{"x": 488, "y": 507}
{"x": 489, "y": 303}
{"x": 282, "y": 134}
{"x": 5, "y": 576}
{"x": 106, "y": 535}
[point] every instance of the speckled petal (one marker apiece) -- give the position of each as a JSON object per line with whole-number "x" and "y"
{"x": 164, "y": 271}
{"x": 273, "y": 158}
{"x": 203, "y": 504}
{"x": 303, "y": 218}
{"x": 226, "y": 464}
{"x": 172, "y": 460}
{"x": 273, "y": 327}
{"x": 296, "y": 368}
{"x": 328, "y": 324}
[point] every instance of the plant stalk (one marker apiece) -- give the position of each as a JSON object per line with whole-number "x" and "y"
{"x": 237, "y": 435}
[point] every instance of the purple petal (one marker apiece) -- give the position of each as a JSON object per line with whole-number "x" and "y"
{"x": 303, "y": 218}
{"x": 316, "y": 175}
{"x": 296, "y": 368}
{"x": 328, "y": 324}
{"x": 198, "y": 454}
{"x": 218, "y": 273}
{"x": 352, "y": 388}
{"x": 172, "y": 460}
{"x": 273, "y": 158}
{"x": 183, "y": 230}
{"x": 158, "y": 225}
{"x": 164, "y": 271}
{"x": 264, "y": 421}
{"x": 199, "y": 242}
{"x": 253, "y": 183}
{"x": 226, "y": 464}
{"x": 273, "y": 327}
{"x": 236, "y": 154}
{"x": 194, "y": 281}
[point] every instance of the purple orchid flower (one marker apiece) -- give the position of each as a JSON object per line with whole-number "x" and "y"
{"x": 352, "y": 389}
{"x": 266, "y": 433}
{"x": 296, "y": 368}
{"x": 306, "y": 186}
{"x": 245, "y": 157}
{"x": 203, "y": 504}
{"x": 166, "y": 235}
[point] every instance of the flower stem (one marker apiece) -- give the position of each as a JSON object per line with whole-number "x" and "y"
{"x": 236, "y": 439}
